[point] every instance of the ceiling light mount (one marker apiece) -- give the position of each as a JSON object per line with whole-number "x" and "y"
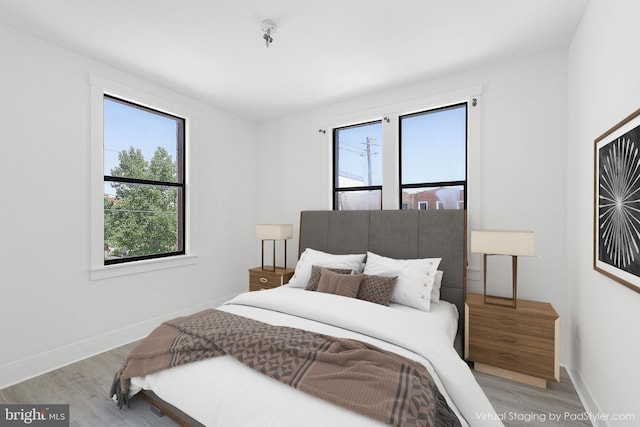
{"x": 268, "y": 28}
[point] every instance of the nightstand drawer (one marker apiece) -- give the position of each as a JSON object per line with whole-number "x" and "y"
{"x": 262, "y": 279}
{"x": 265, "y": 279}
{"x": 512, "y": 321}
{"x": 538, "y": 364}
{"x": 508, "y": 339}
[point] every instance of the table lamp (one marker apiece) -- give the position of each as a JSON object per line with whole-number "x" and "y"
{"x": 274, "y": 232}
{"x": 512, "y": 243}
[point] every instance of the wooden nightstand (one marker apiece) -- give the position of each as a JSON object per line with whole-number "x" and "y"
{"x": 521, "y": 344}
{"x": 260, "y": 279}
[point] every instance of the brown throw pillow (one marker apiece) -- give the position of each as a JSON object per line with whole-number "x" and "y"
{"x": 339, "y": 284}
{"x": 312, "y": 284}
{"x": 377, "y": 289}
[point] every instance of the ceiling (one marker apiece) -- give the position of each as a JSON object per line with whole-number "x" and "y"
{"x": 323, "y": 51}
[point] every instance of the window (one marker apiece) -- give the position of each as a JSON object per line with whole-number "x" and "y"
{"x": 357, "y": 166}
{"x": 433, "y": 158}
{"x": 144, "y": 182}
{"x": 415, "y": 154}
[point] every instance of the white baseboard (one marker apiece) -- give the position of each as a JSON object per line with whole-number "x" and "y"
{"x": 589, "y": 403}
{"x": 33, "y": 366}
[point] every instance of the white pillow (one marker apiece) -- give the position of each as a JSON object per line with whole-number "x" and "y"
{"x": 415, "y": 278}
{"x": 312, "y": 257}
{"x": 437, "y": 283}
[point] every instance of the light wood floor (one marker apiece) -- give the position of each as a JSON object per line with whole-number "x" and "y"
{"x": 85, "y": 386}
{"x": 521, "y": 405}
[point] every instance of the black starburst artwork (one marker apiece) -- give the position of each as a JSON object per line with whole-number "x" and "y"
{"x": 619, "y": 203}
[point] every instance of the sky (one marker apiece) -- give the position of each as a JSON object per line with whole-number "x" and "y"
{"x": 352, "y": 155}
{"x": 433, "y": 148}
{"x": 433, "y": 144}
{"x": 126, "y": 126}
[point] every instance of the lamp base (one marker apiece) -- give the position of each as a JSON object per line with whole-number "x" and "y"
{"x": 273, "y": 267}
{"x": 501, "y": 301}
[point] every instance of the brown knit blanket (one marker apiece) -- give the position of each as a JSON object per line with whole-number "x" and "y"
{"x": 355, "y": 375}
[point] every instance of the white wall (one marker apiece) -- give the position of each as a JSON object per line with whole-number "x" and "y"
{"x": 51, "y": 313}
{"x": 522, "y": 162}
{"x": 604, "y": 316}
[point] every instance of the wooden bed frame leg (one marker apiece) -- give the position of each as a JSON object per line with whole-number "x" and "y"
{"x": 162, "y": 408}
{"x": 157, "y": 411}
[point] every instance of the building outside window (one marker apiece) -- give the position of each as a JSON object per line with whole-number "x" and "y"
{"x": 144, "y": 182}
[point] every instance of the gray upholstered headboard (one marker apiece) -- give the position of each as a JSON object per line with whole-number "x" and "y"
{"x": 402, "y": 234}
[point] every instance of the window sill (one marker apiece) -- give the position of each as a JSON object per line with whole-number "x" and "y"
{"x": 137, "y": 267}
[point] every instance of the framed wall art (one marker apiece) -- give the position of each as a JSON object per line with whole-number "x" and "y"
{"x": 616, "y": 248}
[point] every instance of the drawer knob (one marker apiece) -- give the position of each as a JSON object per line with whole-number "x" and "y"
{"x": 508, "y": 321}
{"x": 508, "y": 356}
{"x": 508, "y": 339}
{"x": 264, "y": 280}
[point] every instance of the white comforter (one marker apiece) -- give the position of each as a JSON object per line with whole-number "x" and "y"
{"x": 223, "y": 392}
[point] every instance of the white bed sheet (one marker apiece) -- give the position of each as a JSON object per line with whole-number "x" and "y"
{"x": 223, "y": 392}
{"x": 443, "y": 315}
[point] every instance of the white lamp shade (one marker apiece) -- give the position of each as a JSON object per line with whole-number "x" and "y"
{"x": 274, "y": 231}
{"x": 502, "y": 242}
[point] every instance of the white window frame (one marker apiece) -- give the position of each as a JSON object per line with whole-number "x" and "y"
{"x": 99, "y": 87}
{"x": 425, "y": 204}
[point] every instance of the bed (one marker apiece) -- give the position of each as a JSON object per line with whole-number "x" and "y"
{"x": 221, "y": 391}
